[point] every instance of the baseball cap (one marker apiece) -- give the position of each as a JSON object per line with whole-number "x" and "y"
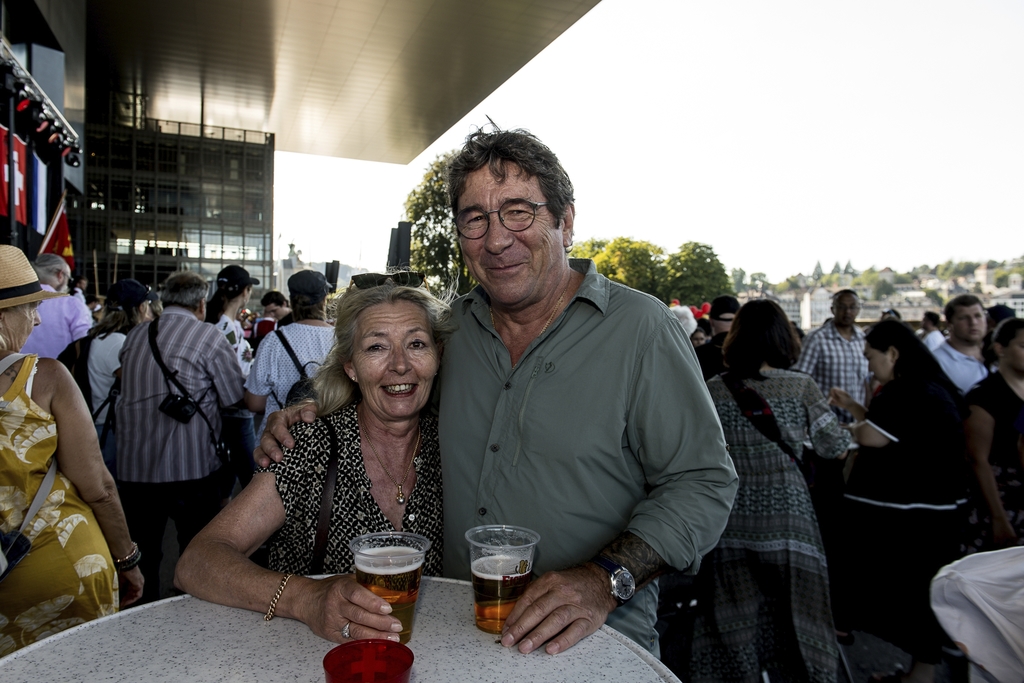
{"x": 722, "y": 305}
{"x": 310, "y": 284}
{"x": 1000, "y": 312}
{"x": 128, "y": 293}
{"x": 234, "y": 279}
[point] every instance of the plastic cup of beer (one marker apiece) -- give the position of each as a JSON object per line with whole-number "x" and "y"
{"x": 501, "y": 559}
{"x": 390, "y": 565}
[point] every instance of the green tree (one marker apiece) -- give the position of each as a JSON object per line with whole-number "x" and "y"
{"x": 883, "y": 288}
{"x": 588, "y": 248}
{"x": 934, "y": 296}
{"x": 848, "y": 270}
{"x": 836, "y": 270}
{"x": 759, "y": 281}
{"x": 695, "y": 275}
{"x": 634, "y": 263}
{"x": 435, "y": 248}
{"x": 739, "y": 279}
{"x": 818, "y": 272}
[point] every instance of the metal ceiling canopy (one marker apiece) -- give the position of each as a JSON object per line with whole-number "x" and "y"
{"x": 365, "y": 79}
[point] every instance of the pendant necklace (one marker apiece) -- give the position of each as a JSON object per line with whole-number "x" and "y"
{"x": 400, "y": 496}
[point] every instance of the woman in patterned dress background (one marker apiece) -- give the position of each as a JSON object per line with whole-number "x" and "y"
{"x": 765, "y": 606}
{"x": 69, "y": 576}
{"x": 371, "y": 392}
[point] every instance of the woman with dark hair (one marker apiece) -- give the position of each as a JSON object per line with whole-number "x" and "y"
{"x": 997, "y": 520}
{"x": 901, "y": 507}
{"x": 234, "y": 287}
{"x": 94, "y": 361}
{"x": 766, "y": 583}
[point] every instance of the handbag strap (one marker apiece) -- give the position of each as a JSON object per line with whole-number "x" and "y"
{"x": 172, "y": 378}
{"x": 326, "y": 504}
{"x": 41, "y": 494}
{"x": 756, "y": 409}
{"x": 291, "y": 353}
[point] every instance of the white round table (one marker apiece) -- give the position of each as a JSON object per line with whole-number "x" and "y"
{"x": 186, "y": 639}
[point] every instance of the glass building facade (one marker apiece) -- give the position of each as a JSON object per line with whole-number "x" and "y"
{"x": 164, "y": 196}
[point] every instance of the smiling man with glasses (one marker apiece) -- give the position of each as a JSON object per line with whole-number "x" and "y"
{"x": 64, "y": 319}
{"x": 570, "y": 405}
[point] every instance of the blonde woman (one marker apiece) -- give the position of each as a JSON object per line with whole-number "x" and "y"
{"x": 371, "y": 392}
{"x": 82, "y": 563}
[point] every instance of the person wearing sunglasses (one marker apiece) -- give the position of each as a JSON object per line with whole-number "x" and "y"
{"x": 369, "y": 462}
{"x": 570, "y": 405}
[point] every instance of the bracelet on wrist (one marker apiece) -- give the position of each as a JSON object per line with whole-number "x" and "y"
{"x": 130, "y": 561}
{"x": 277, "y": 596}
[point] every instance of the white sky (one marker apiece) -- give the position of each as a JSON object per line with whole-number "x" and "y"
{"x": 886, "y": 132}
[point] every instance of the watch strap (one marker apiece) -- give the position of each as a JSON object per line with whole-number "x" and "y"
{"x": 606, "y": 564}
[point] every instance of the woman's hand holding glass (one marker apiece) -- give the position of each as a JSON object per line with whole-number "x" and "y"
{"x": 328, "y": 605}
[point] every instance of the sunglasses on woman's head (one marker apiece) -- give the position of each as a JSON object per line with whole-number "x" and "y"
{"x": 403, "y": 278}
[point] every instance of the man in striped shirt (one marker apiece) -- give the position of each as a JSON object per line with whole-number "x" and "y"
{"x": 166, "y": 467}
{"x": 833, "y": 354}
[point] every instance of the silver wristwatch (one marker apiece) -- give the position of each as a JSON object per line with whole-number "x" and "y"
{"x": 623, "y": 583}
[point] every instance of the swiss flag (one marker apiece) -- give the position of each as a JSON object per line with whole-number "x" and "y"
{"x": 58, "y": 237}
{"x": 20, "y": 164}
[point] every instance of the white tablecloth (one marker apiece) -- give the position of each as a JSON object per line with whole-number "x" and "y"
{"x": 186, "y": 639}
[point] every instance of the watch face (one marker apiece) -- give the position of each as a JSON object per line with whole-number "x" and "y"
{"x": 624, "y": 584}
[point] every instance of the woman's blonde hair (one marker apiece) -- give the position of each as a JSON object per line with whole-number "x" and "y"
{"x": 6, "y": 343}
{"x": 334, "y": 388}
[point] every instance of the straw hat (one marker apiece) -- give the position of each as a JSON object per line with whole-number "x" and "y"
{"x": 19, "y": 283}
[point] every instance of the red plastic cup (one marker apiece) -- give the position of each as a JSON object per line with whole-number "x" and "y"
{"x": 369, "y": 661}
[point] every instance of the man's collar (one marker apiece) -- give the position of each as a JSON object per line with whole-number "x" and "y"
{"x": 857, "y": 332}
{"x": 179, "y": 310}
{"x": 47, "y": 288}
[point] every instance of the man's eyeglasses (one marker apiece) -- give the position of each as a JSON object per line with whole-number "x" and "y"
{"x": 403, "y": 278}
{"x": 515, "y": 214}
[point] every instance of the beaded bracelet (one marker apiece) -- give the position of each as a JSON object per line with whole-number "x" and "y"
{"x": 277, "y": 596}
{"x": 130, "y": 561}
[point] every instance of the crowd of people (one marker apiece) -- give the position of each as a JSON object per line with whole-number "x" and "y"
{"x": 814, "y": 484}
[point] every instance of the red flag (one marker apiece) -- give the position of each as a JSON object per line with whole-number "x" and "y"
{"x": 58, "y": 237}
{"x": 20, "y": 164}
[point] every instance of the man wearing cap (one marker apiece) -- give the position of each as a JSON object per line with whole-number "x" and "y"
{"x": 310, "y": 337}
{"x": 167, "y": 460}
{"x": 64, "y": 319}
{"x": 723, "y": 310}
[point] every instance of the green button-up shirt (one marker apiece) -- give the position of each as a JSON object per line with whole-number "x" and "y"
{"x": 604, "y": 426}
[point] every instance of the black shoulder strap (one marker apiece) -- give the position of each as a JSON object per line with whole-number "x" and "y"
{"x": 291, "y": 353}
{"x": 756, "y": 409}
{"x": 326, "y": 503}
{"x": 172, "y": 378}
{"x": 168, "y": 375}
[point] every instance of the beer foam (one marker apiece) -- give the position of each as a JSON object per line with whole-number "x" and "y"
{"x": 494, "y": 567}
{"x": 371, "y": 560}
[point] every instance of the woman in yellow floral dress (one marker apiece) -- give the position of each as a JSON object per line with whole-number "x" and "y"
{"x": 70, "y": 575}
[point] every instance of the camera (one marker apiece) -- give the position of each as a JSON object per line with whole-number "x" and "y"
{"x": 181, "y": 408}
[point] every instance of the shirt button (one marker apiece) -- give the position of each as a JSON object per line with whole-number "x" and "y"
{"x": 482, "y": 511}
{"x": 508, "y": 385}
{"x": 495, "y": 448}
{"x": 412, "y": 518}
